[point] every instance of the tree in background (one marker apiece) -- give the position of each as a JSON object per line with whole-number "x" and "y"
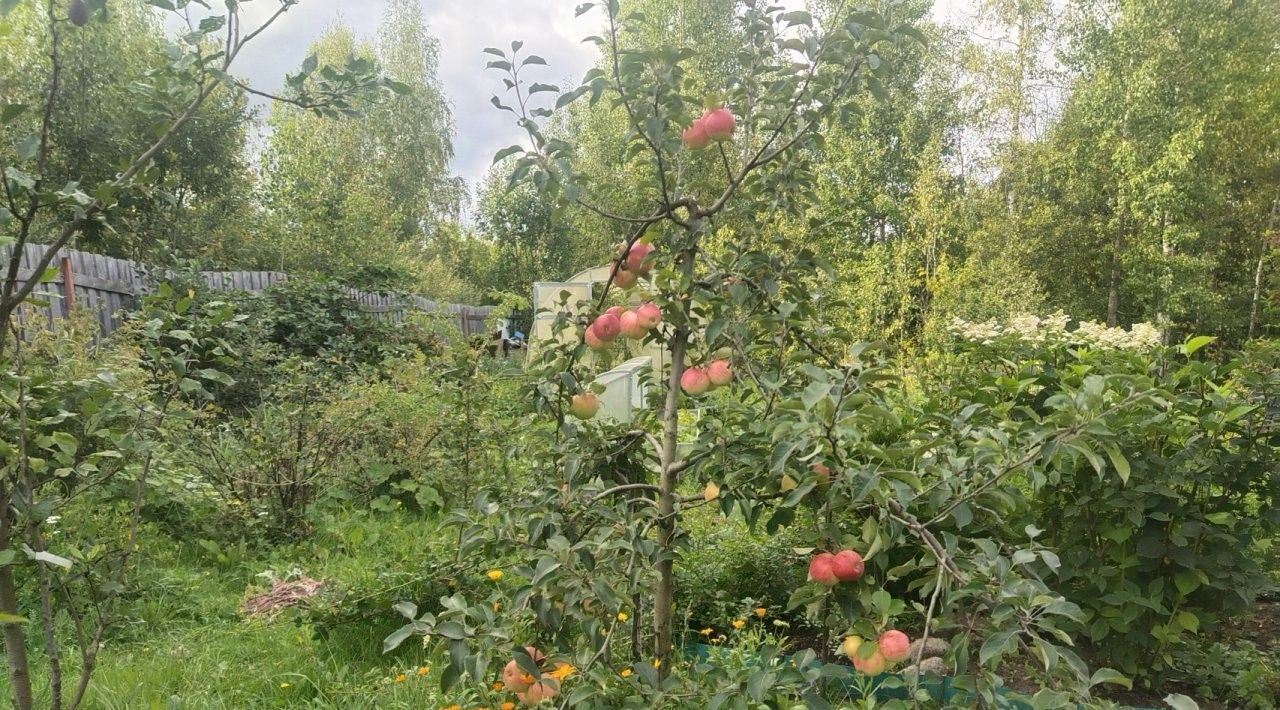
{"x": 359, "y": 200}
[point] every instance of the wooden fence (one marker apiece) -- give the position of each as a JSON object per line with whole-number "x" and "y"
{"x": 108, "y": 286}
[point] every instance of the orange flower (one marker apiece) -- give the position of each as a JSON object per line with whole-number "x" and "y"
{"x": 562, "y": 671}
{"x": 423, "y": 670}
{"x": 739, "y": 623}
{"x": 497, "y": 686}
{"x": 625, "y": 673}
{"x": 706, "y": 631}
{"x": 401, "y": 678}
{"x": 760, "y": 612}
{"x": 508, "y": 705}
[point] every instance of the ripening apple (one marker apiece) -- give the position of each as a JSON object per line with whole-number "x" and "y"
{"x": 718, "y": 124}
{"x": 593, "y": 341}
{"x": 695, "y": 136}
{"x": 625, "y": 278}
{"x": 847, "y": 565}
{"x": 614, "y": 311}
{"x": 788, "y": 483}
{"x": 694, "y": 381}
{"x": 584, "y": 405}
{"x": 820, "y": 569}
{"x": 823, "y": 472}
{"x": 711, "y": 492}
{"x": 850, "y": 646}
{"x": 894, "y": 645}
{"x": 546, "y": 690}
{"x": 872, "y": 665}
{"x": 515, "y": 678}
{"x": 638, "y": 258}
{"x": 649, "y": 314}
{"x": 632, "y": 326}
{"x": 720, "y": 372}
{"x": 607, "y": 327}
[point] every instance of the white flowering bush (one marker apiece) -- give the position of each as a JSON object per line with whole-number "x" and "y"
{"x": 1056, "y": 329}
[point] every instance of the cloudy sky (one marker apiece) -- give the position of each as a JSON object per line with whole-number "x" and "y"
{"x": 464, "y": 28}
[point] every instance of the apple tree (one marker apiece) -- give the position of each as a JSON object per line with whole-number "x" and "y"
{"x": 761, "y": 409}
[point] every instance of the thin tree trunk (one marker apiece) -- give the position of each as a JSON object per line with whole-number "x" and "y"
{"x": 15, "y": 640}
{"x": 1113, "y": 291}
{"x": 664, "y": 597}
{"x": 1268, "y": 234}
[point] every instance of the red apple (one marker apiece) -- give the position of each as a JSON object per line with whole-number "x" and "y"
{"x": 694, "y": 381}
{"x": 894, "y": 646}
{"x": 720, "y": 373}
{"x": 607, "y": 327}
{"x": 719, "y": 123}
{"x": 847, "y": 565}
{"x": 593, "y": 341}
{"x": 824, "y": 473}
{"x": 695, "y": 136}
{"x": 632, "y": 327}
{"x": 821, "y": 569}
{"x": 615, "y": 311}
{"x": 625, "y": 278}
{"x": 546, "y": 690}
{"x": 584, "y": 405}
{"x": 638, "y": 258}
{"x": 650, "y": 315}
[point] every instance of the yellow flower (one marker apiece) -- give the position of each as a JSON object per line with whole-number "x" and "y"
{"x": 562, "y": 671}
{"x": 657, "y": 663}
{"x": 739, "y": 623}
{"x": 497, "y": 686}
{"x": 455, "y": 706}
{"x": 423, "y": 670}
{"x": 625, "y": 673}
{"x": 497, "y": 606}
{"x": 494, "y": 575}
{"x": 508, "y": 705}
{"x": 401, "y": 678}
{"x": 623, "y": 616}
{"x": 760, "y": 612}
{"x": 706, "y": 631}
{"x": 284, "y": 685}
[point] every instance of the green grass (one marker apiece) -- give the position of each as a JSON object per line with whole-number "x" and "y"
{"x": 183, "y": 642}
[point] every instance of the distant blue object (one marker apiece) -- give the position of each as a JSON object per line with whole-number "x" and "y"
{"x": 519, "y": 335}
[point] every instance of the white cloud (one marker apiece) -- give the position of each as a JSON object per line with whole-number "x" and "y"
{"x": 464, "y": 28}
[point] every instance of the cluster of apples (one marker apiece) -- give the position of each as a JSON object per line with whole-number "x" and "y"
{"x": 892, "y": 646}
{"x": 830, "y": 569}
{"x": 627, "y": 271}
{"x": 699, "y": 380}
{"x": 716, "y": 124}
{"x": 630, "y": 323}
{"x": 530, "y": 690}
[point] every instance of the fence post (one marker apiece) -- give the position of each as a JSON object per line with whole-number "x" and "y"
{"x": 465, "y": 321}
{"x": 68, "y": 284}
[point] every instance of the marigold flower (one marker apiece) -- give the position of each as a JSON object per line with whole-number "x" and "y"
{"x": 508, "y": 705}
{"x": 494, "y": 575}
{"x": 497, "y": 686}
{"x": 706, "y": 632}
{"x": 401, "y": 678}
{"x": 739, "y": 623}
{"x": 423, "y": 670}
{"x": 625, "y": 673}
{"x": 562, "y": 671}
{"x": 623, "y": 616}
{"x": 760, "y": 612}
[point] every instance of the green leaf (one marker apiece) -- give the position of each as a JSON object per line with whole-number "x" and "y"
{"x": 397, "y": 637}
{"x": 1188, "y": 621}
{"x": 11, "y": 111}
{"x": 1118, "y": 460}
{"x": 1178, "y": 701}
{"x": 1110, "y": 675}
{"x": 12, "y": 619}
{"x": 997, "y": 645}
{"x": 1191, "y": 346}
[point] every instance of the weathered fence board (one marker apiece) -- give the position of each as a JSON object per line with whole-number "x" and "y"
{"x": 108, "y": 286}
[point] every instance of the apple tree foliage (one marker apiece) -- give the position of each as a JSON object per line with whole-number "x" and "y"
{"x": 920, "y": 491}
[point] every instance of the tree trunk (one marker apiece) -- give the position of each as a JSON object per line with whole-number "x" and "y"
{"x": 1257, "y": 292}
{"x": 664, "y": 597}
{"x": 15, "y": 640}
{"x": 1113, "y": 292}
